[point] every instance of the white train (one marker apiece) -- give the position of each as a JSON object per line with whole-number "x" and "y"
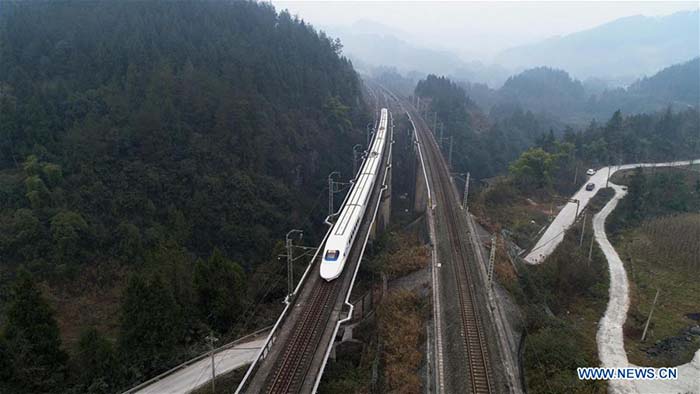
{"x": 343, "y": 233}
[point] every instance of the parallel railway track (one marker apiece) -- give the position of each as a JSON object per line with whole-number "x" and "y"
{"x": 290, "y": 371}
{"x": 475, "y": 349}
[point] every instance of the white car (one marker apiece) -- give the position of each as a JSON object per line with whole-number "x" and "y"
{"x": 590, "y": 171}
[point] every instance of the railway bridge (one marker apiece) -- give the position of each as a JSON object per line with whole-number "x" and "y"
{"x": 297, "y": 349}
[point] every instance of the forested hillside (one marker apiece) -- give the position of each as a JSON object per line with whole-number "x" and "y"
{"x": 556, "y": 94}
{"x": 151, "y": 156}
{"x": 487, "y": 151}
{"x": 677, "y": 83}
{"x": 544, "y": 89}
{"x": 482, "y": 144}
{"x": 553, "y": 164}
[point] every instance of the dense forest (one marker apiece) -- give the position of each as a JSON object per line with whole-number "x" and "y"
{"x": 556, "y": 151}
{"x": 483, "y": 144}
{"x": 554, "y": 93}
{"x": 152, "y": 154}
{"x": 553, "y": 162}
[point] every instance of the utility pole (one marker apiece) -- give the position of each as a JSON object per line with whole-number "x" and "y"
{"x": 608, "y": 178}
{"x": 290, "y": 260}
{"x": 575, "y": 173}
{"x": 331, "y": 209}
{"x": 211, "y": 340}
{"x": 492, "y": 261}
{"x": 370, "y": 131}
{"x": 590, "y": 249}
{"x": 577, "y": 205}
{"x": 354, "y": 159}
{"x": 450, "y": 155}
{"x": 466, "y": 192}
{"x": 646, "y": 326}
{"x": 583, "y": 230}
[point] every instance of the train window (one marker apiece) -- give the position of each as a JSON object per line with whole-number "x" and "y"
{"x": 332, "y": 255}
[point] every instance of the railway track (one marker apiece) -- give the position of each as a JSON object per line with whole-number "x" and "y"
{"x": 475, "y": 349}
{"x": 291, "y": 369}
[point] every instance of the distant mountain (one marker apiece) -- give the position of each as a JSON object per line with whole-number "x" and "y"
{"x": 678, "y": 83}
{"x": 543, "y": 89}
{"x": 555, "y": 93}
{"x": 378, "y": 45}
{"x": 625, "y": 49}
{"x": 677, "y": 86}
{"x": 370, "y": 45}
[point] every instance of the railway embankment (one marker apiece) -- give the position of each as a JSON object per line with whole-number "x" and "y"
{"x": 560, "y": 302}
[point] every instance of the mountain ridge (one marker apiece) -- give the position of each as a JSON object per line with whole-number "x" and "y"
{"x": 625, "y": 49}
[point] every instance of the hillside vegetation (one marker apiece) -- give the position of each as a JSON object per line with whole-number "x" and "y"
{"x": 556, "y": 94}
{"x": 151, "y": 155}
{"x": 655, "y": 230}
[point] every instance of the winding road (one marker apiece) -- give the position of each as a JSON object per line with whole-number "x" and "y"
{"x": 554, "y": 234}
{"x": 610, "y": 339}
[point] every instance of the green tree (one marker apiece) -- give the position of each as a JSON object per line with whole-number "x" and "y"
{"x": 37, "y": 192}
{"x": 533, "y": 169}
{"x": 96, "y": 363}
{"x": 219, "y": 285}
{"x": 68, "y": 229}
{"x": 32, "y": 338}
{"x": 52, "y": 173}
{"x": 129, "y": 243}
{"x": 31, "y": 166}
{"x": 151, "y": 326}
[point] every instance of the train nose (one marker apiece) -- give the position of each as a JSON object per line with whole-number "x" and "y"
{"x": 330, "y": 271}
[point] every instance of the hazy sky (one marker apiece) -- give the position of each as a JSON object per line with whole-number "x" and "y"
{"x": 476, "y": 29}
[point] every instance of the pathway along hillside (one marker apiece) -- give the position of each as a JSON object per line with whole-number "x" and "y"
{"x": 611, "y": 345}
{"x": 554, "y": 234}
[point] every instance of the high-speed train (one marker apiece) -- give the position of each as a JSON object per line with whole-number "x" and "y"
{"x": 343, "y": 233}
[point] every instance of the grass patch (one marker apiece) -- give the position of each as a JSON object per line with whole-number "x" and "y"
{"x": 656, "y": 229}
{"x": 391, "y": 350}
{"x": 562, "y": 299}
{"x": 662, "y": 254}
{"x": 401, "y": 326}
{"x": 401, "y": 254}
{"x": 501, "y": 205}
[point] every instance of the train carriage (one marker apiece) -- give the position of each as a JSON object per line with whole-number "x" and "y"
{"x": 342, "y": 237}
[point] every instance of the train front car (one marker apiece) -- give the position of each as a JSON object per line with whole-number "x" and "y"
{"x": 334, "y": 257}
{"x": 344, "y": 231}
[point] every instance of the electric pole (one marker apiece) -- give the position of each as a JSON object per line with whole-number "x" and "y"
{"x": 583, "y": 230}
{"x": 211, "y": 340}
{"x": 450, "y": 155}
{"x": 492, "y": 261}
{"x": 290, "y": 261}
{"x": 354, "y": 159}
{"x": 577, "y": 205}
{"x": 370, "y": 131}
{"x": 646, "y": 326}
{"x": 466, "y": 192}
{"x": 331, "y": 209}
{"x": 590, "y": 249}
